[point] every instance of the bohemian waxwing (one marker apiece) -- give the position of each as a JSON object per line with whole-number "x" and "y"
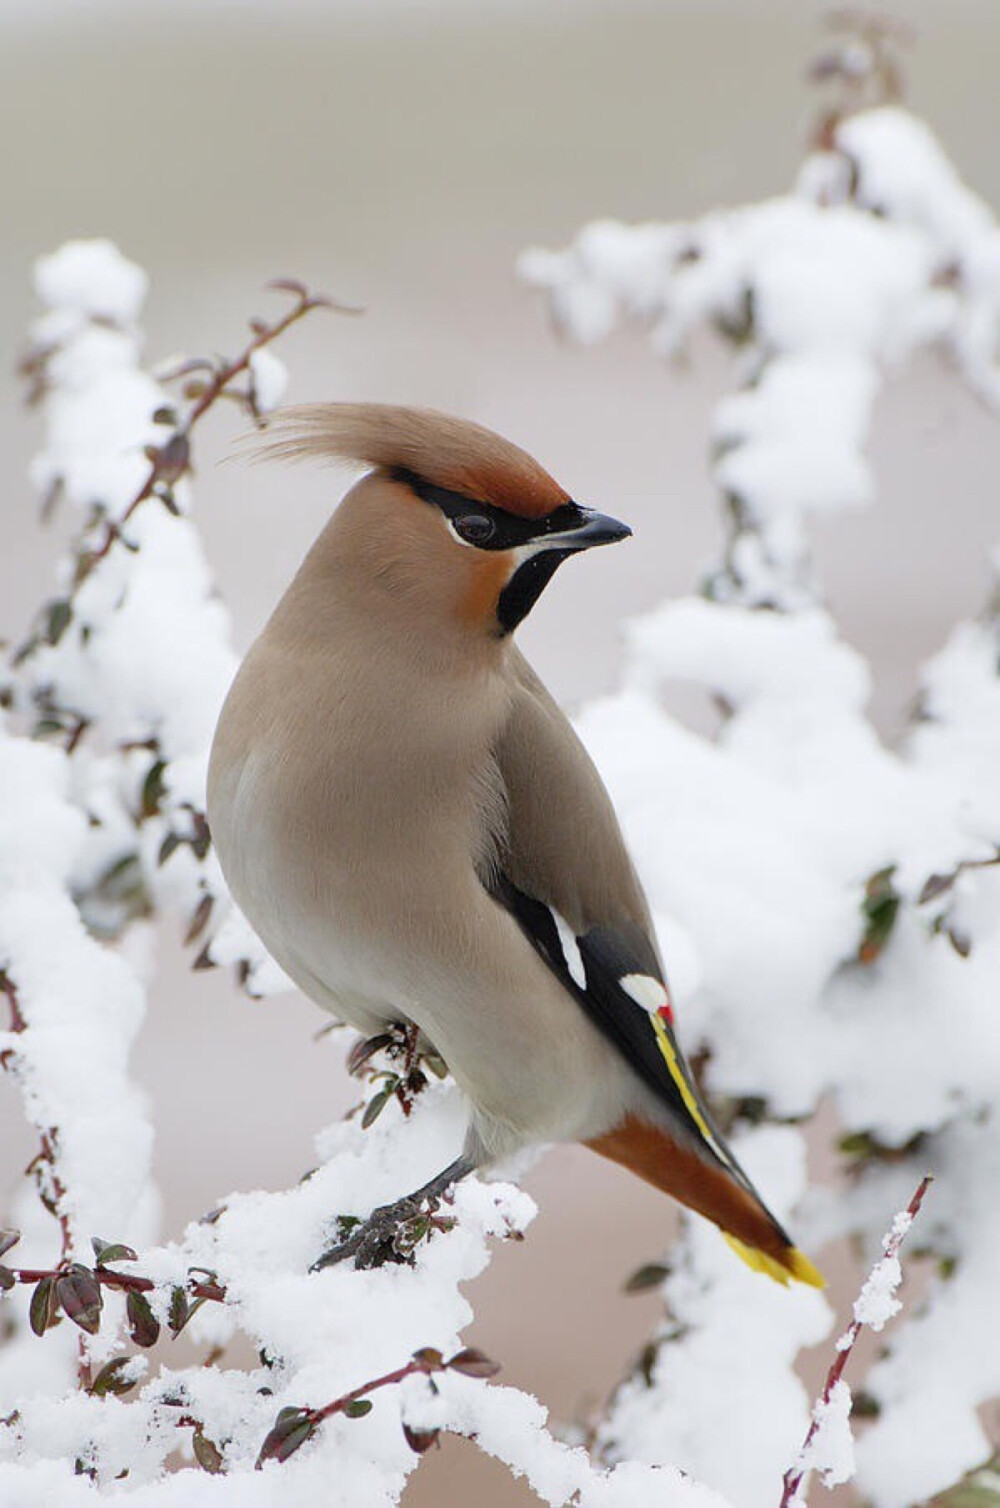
{"x": 418, "y": 836}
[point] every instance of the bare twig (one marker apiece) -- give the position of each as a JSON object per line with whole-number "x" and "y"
{"x": 797, "y": 1473}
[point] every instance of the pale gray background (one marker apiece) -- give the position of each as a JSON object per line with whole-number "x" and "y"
{"x": 401, "y": 156}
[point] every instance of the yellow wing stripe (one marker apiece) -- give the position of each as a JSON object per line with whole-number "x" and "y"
{"x": 795, "y": 1264}
{"x": 669, "y": 1052}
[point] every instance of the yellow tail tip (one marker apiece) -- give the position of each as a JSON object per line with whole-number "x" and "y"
{"x": 794, "y": 1264}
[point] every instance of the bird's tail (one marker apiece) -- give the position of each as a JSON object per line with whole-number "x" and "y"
{"x": 708, "y": 1186}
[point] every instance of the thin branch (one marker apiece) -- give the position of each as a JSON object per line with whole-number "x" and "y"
{"x": 796, "y": 1474}
{"x": 294, "y": 1426}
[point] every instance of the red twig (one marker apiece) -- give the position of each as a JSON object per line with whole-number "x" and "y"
{"x": 796, "y": 1474}
{"x": 294, "y": 1426}
{"x": 171, "y": 460}
{"x": 127, "y": 1282}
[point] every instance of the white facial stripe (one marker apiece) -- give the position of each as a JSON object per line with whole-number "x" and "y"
{"x": 571, "y": 950}
{"x": 521, "y": 553}
{"x": 645, "y": 991}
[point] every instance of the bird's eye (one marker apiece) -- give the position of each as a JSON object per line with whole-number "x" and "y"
{"x": 475, "y": 528}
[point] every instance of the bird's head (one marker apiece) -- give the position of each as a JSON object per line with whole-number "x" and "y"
{"x": 454, "y": 522}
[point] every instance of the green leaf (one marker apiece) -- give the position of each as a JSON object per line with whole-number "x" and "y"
{"x": 376, "y": 1105}
{"x": 880, "y": 907}
{"x": 357, "y": 1408}
{"x": 170, "y": 843}
{"x": 650, "y": 1275}
{"x": 292, "y": 1428}
{"x": 58, "y": 618}
{"x": 7, "y": 1279}
{"x": 112, "y": 1251}
{"x": 153, "y": 788}
{"x": 143, "y": 1325}
{"x": 8, "y": 1238}
{"x": 44, "y": 1306}
{"x": 179, "y": 1311}
{"x": 111, "y": 1378}
{"x": 206, "y": 1452}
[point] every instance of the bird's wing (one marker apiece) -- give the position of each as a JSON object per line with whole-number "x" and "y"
{"x": 565, "y": 876}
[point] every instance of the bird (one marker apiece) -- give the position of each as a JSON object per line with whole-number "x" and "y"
{"x": 418, "y": 836}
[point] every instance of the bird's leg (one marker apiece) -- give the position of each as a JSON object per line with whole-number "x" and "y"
{"x": 391, "y": 1231}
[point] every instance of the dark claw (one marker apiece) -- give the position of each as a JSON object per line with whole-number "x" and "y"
{"x": 388, "y": 1235}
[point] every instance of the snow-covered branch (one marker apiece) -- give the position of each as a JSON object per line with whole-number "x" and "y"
{"x": 832, "y": 906}
{"x": 828, "y": 1447}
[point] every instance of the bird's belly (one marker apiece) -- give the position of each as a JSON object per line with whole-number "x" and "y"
{"x": 359, "y": 938}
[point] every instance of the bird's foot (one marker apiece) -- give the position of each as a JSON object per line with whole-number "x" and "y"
{"x": 390, "y": 1234}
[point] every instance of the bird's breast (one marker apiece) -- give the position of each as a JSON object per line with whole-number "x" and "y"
{"x": 342, "y": 818}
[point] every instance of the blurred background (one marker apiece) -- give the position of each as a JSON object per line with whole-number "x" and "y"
{"x": 399, "y": 156}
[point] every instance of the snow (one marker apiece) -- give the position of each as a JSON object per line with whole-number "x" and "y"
{"x": 723, "y": 1403}
{"x": 877, "y": 1303}
{"x": 269, "y": 379}
{"x": 831, "y": 1449}
{"x": 92, "y": 278}
{"x": 758, "y": 845}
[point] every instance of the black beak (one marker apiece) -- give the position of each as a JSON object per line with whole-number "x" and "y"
{"x": 596, "y": 529}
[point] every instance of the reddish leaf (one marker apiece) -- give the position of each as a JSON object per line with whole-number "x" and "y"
{"x": 420, "y": 1440}
{"x": 79, "y": 1293}
{"x": 143, "y": 1325}
{"x": 427, "y": 1356}
{"x": 473, "y": 1363}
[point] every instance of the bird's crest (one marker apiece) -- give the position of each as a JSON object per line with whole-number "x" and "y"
{"x": 446, "y": 452}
